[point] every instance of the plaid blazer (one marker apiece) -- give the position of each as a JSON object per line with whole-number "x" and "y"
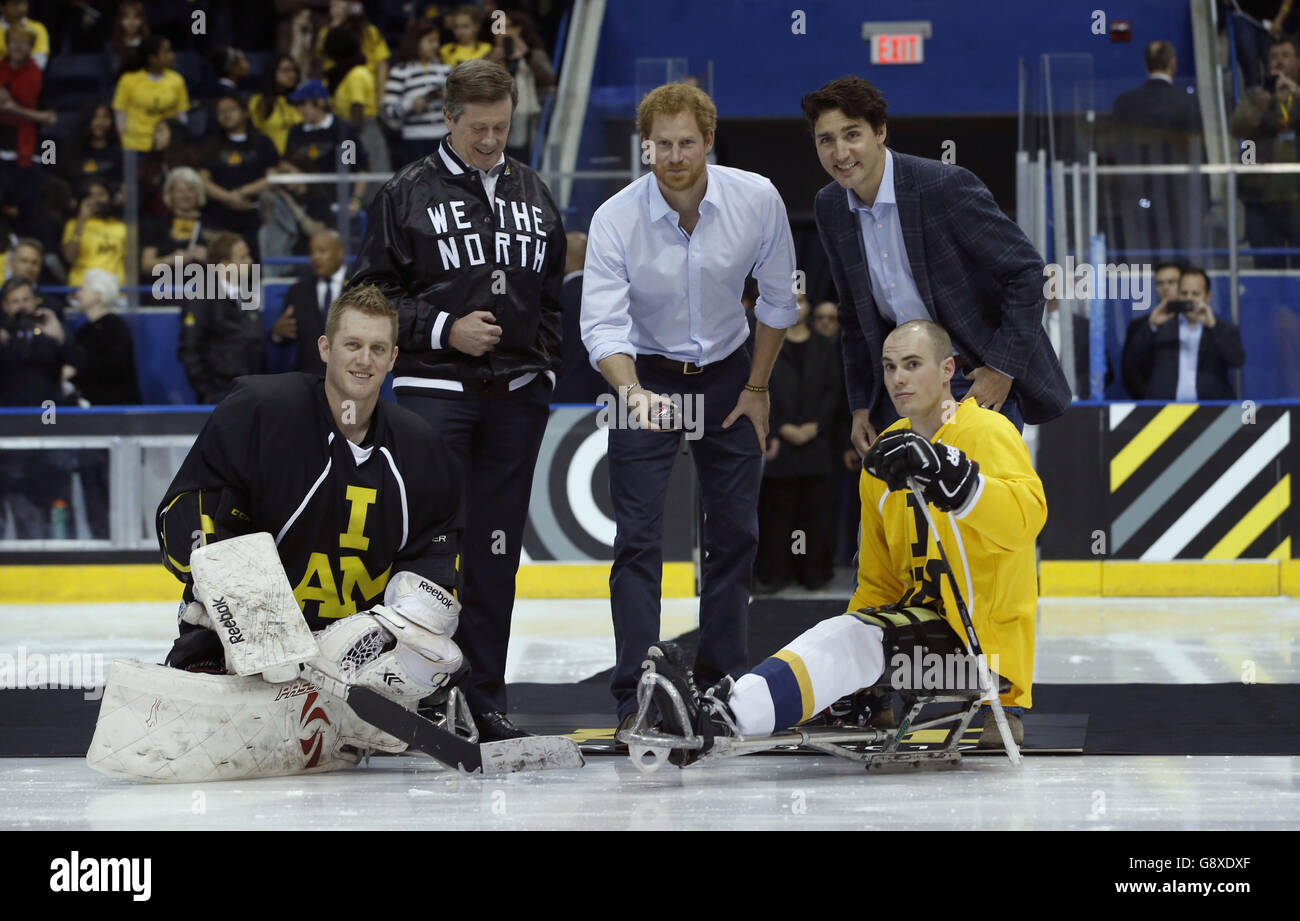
{"x": 976, "y": 271}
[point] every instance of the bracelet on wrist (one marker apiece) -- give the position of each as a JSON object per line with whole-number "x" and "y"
{"x": 754, "y": 388}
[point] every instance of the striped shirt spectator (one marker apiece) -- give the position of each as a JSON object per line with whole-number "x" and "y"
{"x": 413, "y": 104}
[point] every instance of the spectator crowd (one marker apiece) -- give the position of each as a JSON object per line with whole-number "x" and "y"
{"x": 205, "y": 117}
{"x": 206, "y": 122}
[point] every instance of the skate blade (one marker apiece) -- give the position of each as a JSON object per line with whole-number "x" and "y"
{"x": 649, "y": 749}
{"x": 530, "y": 753}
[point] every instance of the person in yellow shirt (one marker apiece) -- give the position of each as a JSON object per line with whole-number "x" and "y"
{"x": 464, "y": 23}
{"x": 96, "y": 237}
{"x": 146, "y": 97}
{"x": 973, "y": 467}
{"x": 270, "y": 110}
{"x": 351, "y": 15}
{"x": 352, "y": 95}
{"x": 14, "y": 13}
{"x": 352, "y": 88}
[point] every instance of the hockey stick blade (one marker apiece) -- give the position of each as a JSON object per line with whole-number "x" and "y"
{"x": 530, "y": 753}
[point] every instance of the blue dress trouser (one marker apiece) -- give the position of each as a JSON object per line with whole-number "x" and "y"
{"x": 728, "y": 463}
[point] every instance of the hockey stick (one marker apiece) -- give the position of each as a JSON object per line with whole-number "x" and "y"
{"x": 986, "y": 680}
{"x": 530, "y": 753}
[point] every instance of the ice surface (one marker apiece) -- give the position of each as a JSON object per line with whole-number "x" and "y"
{"x": 1079, "y": 641}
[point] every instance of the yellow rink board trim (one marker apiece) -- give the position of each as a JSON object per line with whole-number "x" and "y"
{"x": 1069, "y": 578}
{"x": 1289, "y": 578}
{"x": 1056, "y": 578}
{"x": 93, "y": 583}
{"x": 1133, "y": 579}
{"x": 1144, "y": 443}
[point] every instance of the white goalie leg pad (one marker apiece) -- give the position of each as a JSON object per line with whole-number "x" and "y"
{"x": 247, "y": 597}
{"x": 165, "y": 725}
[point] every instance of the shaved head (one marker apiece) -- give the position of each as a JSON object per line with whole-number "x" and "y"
{"x": 935, "y": 334}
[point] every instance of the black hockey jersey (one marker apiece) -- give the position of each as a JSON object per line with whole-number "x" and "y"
{"x": 439, "y": 250}
{"x": 345, "y": 519}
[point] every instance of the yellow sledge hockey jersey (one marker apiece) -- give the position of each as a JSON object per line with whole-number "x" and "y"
{"x": 990, "y": 547}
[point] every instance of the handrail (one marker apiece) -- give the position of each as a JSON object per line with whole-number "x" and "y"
{"x": 1183, "y": 169}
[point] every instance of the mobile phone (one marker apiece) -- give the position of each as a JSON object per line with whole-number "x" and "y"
{"x": 1181, "y": 306}
{"x": 665, "y": 417}
{"x": 1270, "y": 83}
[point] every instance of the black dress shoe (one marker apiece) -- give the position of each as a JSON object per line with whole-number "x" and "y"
{"x": 496, "y": 727}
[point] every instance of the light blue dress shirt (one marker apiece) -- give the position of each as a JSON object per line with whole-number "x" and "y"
{"x": 1189, "y": 347}
{"x": 649, "y": 288}
{"x": 892, "y": 284}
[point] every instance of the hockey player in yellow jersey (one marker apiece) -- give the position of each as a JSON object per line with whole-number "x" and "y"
{"x": 987, "y": 503}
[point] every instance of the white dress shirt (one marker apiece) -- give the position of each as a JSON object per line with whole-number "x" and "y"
{"x": 489, "y": 177}
{"x": 650, "y": 288}
{"x": 329, "y": 288}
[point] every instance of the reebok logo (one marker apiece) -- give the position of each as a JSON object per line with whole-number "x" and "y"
{"x": 103, "y": 874}
{"x": 436, "y": 592}
{"x": 226, "y": 618}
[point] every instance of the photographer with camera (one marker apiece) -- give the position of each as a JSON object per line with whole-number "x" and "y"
{"x": 1266, "y": 117}
{"x": 1184, "y": 350}
{"x": 36, "y": 358}
{"x": 519, "y": 50}
{"x": 36, "y": 362}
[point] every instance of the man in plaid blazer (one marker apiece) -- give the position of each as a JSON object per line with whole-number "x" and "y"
{"x": 909, "y": 238}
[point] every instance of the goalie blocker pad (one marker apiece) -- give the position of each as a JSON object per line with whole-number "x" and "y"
{"x": 162, "y": 725}
{"x": 243, "y": 589}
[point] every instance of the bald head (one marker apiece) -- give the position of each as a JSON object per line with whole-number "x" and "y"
{"x": 934, "y": 335}
{"x": 577, "y": 252}
{"x": 326, "y": 253}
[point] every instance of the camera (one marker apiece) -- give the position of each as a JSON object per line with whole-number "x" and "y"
{"x": 26, "y": 322}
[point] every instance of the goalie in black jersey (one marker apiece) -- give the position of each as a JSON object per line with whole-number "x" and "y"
{"x": 315, "y": 528}
{"x": 358, "y": 494}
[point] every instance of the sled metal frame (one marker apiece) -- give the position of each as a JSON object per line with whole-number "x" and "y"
{"x": 650, "y": 748}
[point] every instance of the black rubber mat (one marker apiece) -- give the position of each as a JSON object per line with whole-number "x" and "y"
{"x": 1118, "y": 719}
{"x": 1111, "y": 719}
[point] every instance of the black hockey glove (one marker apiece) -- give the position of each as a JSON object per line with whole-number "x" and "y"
{"x": 946, "y": 476}
{"x": 886, "y": 459}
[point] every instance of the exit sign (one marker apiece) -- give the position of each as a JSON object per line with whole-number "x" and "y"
{"x": 897, "y": 49}
{"x": 896, "y": 42}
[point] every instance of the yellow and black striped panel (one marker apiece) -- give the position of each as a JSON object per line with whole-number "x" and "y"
{"x": 1187, "y": 482}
